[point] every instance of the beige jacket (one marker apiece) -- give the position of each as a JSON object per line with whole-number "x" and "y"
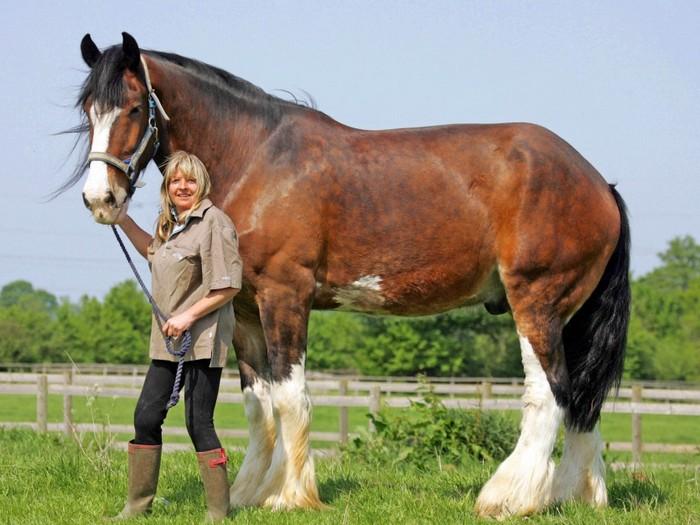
{"x": 201, "y": 257}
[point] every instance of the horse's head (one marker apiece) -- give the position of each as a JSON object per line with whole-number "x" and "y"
{"x": 120, "y": 111}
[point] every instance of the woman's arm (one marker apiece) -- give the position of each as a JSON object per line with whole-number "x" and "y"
{"x": 183, "y": 321}
{"x": 139, "y": 238}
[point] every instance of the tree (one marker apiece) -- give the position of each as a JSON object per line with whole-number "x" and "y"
{"x": 25, "y": 335}
{"x": 681, "y": 264}
{"x": 334, "y": 340}
{"x": 466, "y": 341}
{"x": 664, "y": 336}
{"x": 22, "y": 293}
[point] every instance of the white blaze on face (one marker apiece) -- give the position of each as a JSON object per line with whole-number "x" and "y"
{"x": 97, "y": 184}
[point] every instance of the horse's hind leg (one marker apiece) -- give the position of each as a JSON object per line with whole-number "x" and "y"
{"x": 290, "y": 482}
{"x": 581, "y": 473}
{"x": 523, "y": 482}
{"x": 251, "y": 352}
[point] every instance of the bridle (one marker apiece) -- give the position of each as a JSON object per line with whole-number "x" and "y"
{"x": 147, "y": 147}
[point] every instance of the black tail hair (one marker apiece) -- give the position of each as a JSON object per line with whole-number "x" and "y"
{"x": 596, "y": 336}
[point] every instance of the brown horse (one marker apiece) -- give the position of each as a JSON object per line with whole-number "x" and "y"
{"x": 400, "y": 222}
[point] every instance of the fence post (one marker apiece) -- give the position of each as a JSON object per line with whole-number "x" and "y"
{"x": 486, "y": 391}
{"x": 636, "y": 427}
{"x": 68, "y": 406}
{"x": 42, "y": 400}
{"x": 343, "y": 391}
{"x": 374, "y": 400}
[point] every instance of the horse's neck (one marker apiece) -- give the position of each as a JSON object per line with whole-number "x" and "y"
{"x": 225, "y": 144}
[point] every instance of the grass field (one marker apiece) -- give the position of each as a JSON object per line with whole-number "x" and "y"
{"x": 614, "y": 427}
{"x": 46, "y": 479}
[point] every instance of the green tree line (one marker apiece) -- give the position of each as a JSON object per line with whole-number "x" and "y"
{"x": 664, "y": 336}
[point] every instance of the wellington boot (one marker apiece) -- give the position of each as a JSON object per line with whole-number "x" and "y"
{"x": 144, "y": 464}
{"x": 212, "y": 467}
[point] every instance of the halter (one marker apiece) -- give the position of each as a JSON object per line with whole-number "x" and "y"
{"x": 147, "y": 147}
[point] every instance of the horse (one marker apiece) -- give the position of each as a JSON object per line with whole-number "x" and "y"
{"x": 404, "y": 222}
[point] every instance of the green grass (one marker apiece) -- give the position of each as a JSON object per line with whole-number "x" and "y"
{"x": 614, "y": 427}
{"x": 45, "y": 479}
{"x": 121, "y": 411}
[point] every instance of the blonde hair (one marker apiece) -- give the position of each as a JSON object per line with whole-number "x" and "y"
{"x": 190, "y": 167}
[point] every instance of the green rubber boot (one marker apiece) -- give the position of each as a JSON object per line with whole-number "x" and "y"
{"x": 144, "y": 464}
{"x": 212, "y": 467}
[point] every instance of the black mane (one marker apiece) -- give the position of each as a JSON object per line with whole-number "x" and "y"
{"x": 228, "y": 94}
{"x": 104, "y": 83}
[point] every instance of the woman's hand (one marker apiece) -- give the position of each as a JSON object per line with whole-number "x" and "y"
{"x": 176, "y": 325}
{"x": 139, "y": 238}
{"x": 184, "y": 321}
{"x": 123, "y": 217}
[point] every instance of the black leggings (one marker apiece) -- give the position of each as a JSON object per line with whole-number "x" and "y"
{"x": 201, "y": 385}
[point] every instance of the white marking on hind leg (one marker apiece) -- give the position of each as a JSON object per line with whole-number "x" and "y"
{"x": 581, "y": 472}
{"x": 261, "y": 428}
{"x": 522, "y": 484}
{"x": 290, "y": 482}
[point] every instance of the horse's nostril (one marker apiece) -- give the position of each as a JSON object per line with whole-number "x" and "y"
{"x": 85, "y": 201}
{"x": 109, "y": 199}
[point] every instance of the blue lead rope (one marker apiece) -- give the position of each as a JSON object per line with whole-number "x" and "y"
{"x": 186, "y": 341}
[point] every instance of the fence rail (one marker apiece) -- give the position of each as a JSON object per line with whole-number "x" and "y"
{"x": 104, "y": 369}
{"x": 342, "y": 393}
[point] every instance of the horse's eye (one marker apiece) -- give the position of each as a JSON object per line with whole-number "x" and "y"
{"x": 135, "y": 111}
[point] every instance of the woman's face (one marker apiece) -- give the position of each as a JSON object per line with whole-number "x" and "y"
{"x": 182, "y": 191}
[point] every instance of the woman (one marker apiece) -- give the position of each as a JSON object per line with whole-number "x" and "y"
{"x": 196, "y": 273}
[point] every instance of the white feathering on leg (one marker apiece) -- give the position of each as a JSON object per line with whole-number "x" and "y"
{"x": 522, "y": 484}
{"x": 290, "y": 482}
{"x": 581, "y": 472}
{"x": 261, "y": 423}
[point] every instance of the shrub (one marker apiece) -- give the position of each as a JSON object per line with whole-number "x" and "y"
{"x": 428, "y": 433}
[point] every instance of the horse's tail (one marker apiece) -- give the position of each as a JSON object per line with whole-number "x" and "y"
{"x": 595, "y": 337}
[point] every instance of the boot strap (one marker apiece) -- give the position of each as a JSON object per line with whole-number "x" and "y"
{"x": 221, "y": 460}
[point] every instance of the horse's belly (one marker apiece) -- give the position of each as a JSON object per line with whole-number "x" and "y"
{"x": 421, "y": 294}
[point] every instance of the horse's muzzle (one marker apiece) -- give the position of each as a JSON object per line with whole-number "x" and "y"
{"x": 105, "y": 209}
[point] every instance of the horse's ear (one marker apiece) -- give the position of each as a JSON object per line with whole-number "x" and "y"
{"x": 132, "y": 55}
{"x": 89, "y": 50}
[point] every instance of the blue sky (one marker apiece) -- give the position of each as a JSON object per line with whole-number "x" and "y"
{"x": 618, "y": 80}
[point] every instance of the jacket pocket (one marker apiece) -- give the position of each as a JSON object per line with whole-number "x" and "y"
{"x": 182, "y": 269}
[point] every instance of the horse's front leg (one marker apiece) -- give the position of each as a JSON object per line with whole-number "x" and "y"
{"x": 251, "y": 353}
{"x": 290, "y": 481}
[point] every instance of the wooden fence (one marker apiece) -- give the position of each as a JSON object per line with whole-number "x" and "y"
{"x": 341, "y": 393}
